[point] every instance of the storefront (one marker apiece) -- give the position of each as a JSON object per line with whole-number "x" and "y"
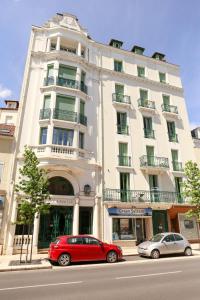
{"x": 128, "y": 226}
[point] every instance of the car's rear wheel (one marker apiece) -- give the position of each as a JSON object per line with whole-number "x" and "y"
{"x": 111, "y": 257}
{"x": 155, "y": 254}
{"x": 64, "y": 260}
{"x": 188, "y": 251}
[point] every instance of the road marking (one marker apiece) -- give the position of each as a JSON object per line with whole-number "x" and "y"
{"x": 39, "y": 285}
{"x": 146, "y": 275}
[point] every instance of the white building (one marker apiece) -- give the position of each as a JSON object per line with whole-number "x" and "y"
{"x": 196, "y": 141}
{"x": 111, "y": 127}
{"x": 8, "y": 120}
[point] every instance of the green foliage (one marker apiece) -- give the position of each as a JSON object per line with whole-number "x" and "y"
{"x": 191, "y": 188}
{"x": 32, "y": 189}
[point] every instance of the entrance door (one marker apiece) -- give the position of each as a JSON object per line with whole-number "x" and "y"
{"x": 85, "y": 220}
{"x": 178, "y": 185}
{"x": 160, "y": 224}
{"x": 140, "y": 234}
{"x": 57, "y": 222}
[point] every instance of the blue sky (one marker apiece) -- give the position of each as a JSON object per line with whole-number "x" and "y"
{"x": 170, "y": 27}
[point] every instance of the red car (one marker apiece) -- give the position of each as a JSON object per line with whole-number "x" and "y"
{"x": 67, "y": 249}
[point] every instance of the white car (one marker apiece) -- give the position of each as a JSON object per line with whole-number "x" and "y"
{"x": 165, "y": 243}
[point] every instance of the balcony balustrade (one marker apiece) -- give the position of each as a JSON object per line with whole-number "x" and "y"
{"x": 177, "y": 166}
{"x": 124, "y": 160}
{"x": 65, "y": 115}
{"x": 122, "y": 129}
{"x": 169, "y": 108}
{"x": 120, "y": 98}
{"x": 146, "y": 104}
{"x": 149, "y": 133}
{"x": 69, "y": 83}
{"x": 173, "y": 138}
{"x": 139, "y": 196}
{"x": 154, "y": 161}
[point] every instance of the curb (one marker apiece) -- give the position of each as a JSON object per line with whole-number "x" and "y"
{"x": 24, "y": 268}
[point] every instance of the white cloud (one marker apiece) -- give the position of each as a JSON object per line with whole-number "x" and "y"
{"x": 4, "y": 92}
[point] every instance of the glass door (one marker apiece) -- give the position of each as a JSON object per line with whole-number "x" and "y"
{"x": 150, "y": 155}
{"x": 125, "y": 186}
{"x": 154, "y": 189}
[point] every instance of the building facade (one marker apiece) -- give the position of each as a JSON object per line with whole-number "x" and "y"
{"x": 196, "y": 142}
{"x": 8, "y": 119}
{"x": 110, "y": 127}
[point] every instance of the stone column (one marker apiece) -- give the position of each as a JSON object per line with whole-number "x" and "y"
{"x": 11, "y": 233}
{"x": 48, "y": 45}
{"x": 96, "y": 218}
{"x": 35, "y": 234}
{"x": 79, "y": 49}
{"x": 76, "y": 217}
{"x": 58, "y": 44}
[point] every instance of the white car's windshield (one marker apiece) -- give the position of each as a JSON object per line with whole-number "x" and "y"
{"x": 157, "y": 238}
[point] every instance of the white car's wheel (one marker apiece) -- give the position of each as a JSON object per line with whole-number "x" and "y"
{"x": 188, "y": 251}
{"x": 155, "y": 254}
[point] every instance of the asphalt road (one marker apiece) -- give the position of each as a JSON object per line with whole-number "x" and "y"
{"x": 141, "y": 279}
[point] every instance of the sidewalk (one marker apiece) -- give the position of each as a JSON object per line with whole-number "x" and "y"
{"x": 40, "y": 261}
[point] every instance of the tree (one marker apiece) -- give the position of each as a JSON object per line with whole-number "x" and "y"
{"x": 32, "y": 195}
{"x": 191, "y": 190}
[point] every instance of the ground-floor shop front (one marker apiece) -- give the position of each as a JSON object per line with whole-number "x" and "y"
{"x": 127, "y": 226}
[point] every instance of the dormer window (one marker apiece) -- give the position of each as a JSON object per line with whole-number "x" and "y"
{"x": 138, "y": 50}
{"x": 116, "y": 44}
{"x": 158, "y": 56}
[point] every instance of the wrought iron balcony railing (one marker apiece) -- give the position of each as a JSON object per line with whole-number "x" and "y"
{"x": 177, "y": 166}
{"x": 69, "y": 83}
{"x": 120, "y": 98}
{"x": 149, "y": 133}
{"x": 45, "y": 114}
{"x": 154, "y": 161}
{"x": 70, "y": 116}
{"x": 124, "y": 160}
{"x": 82, "y": 119}
{"x": 142, "y": 196}
{"x": 169, "y": 108}
{"x": 146, "y": 103}
{"x": 122, "y": 129}
{"x": 173, "y": 138}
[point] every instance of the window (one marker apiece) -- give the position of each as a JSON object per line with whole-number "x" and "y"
{"x": 90, "y": 241}
{"x": 169, "y": 238}
{"x": 122, "y": 127}
{"x": 47, "y": 99}
{"x": 81, "y": 140}
{"x": 65, "y": 103}
{"x": 75, "y": 241}
{"x": 9, "y": 120}
{"x": 82, "y": 108}
{"x": 148, "y": 130}
{"x": 119, "y": 89}
{"x": 43, "y": 135}
{"x": 1, "y": 171}
{"x": 178, "y": 237}
{"x": 141, "y": 71}
{"x": 63, "y": 136}
{"x": 67, "y": 72}
{"x": 50, "y": 70}
{"x": 45, "y": 112}
{"x": 124, "y": 159}
{"x": 172, "y": 132}
{"x": 162, "y": 77}
{"x": 144, "y": 95}
{"x": 124, "y": 229}
{"x": 117, "y": 65}
{"x": 166, "y": 100}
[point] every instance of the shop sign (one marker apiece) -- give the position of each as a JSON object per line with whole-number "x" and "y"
{"x": 114, "y": 211}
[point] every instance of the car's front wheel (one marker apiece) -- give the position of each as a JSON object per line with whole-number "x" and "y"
{"x": 155, "y": 254}
{"x": 188, "y": 251}
{"x": 64, "y": 260}
{"x": 111, "y": 257}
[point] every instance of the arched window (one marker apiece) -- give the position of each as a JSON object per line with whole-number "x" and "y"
{"x": 60, "y": 186}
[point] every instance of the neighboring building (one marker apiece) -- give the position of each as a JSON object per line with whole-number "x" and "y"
{"x": 110, "y": 127}
{"x": 8, "y": 119}
{"x": 196, "y": 141}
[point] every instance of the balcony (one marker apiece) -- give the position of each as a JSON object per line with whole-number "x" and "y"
{"x": 120, "y": 98}
{"x": 45, "y": 114}
{"x": 141, "y": 196}
{"x": 69, "y": 83}
{"x": 169, "y": 110}
{"x": 177, "y": 166}
{"x": 146, "y": 105}
{"x": 153, "y": 163}
{"x": 173, "y": 138}
{"x": 69, "y": 116}
{"x": 149, "y": 133}
{"x": 122, "y": 129}
{"x": 124, "y": 160}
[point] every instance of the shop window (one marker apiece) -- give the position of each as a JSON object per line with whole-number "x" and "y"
{"x": 124, "y": 229}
